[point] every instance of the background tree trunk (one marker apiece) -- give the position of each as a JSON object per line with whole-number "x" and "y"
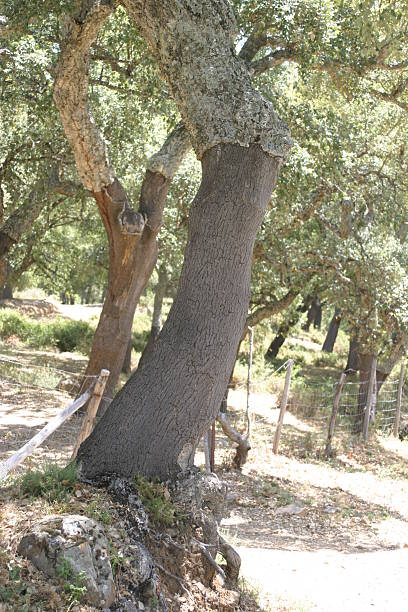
{"x": 159, "y": 295}
{"x": 127, "y": 362}
{"x": 284, "y": 330}
{"x": 331, "y": 336}
{"x": 159, "y": 416}
{"x": 314, "y": 315}
{"x": 352, "y": 358}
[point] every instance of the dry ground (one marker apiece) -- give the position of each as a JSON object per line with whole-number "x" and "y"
{"x": 346, "y": 548}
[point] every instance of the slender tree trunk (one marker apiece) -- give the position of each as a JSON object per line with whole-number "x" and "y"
{"x": 131, "y": 262}
{"x": 313, "y": 314}
{"x": 352, "y": 358}
{"x": 282, "y": 334}
{"x": 317, "y": 321}
{"x": 331, "y": 336}
{"x": 284, "y": 330}
{"x": 167, "y": 405}
{"x": 132, "y": 235}
{"x": 277, "y": 342}
{"x": 159, "y": 295}
{"x": 127, "y": 362}
{"x": 365, "y": 361}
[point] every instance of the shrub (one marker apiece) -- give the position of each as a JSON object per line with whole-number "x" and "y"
{"x": 62, "y": 334}
{"x": 156, "y": 500}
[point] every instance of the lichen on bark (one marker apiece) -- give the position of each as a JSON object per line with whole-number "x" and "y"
{"x": 71, "y": 94}
{"x": 168, "y": 159}
{"x": 193, "y": 43}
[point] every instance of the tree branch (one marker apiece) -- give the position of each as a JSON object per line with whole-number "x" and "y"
{"x": 71, "y": 95}
{"x": 269, "y": 310}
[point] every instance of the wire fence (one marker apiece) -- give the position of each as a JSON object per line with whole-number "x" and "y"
{"x": 315, "y": 402}
{"x": 26, "y": 375}
{"x": 38, "y": 399}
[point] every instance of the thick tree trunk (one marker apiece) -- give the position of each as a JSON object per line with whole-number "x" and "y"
{"x": 159, "y": 296}
{"x": 331, "y": 336}
{"x": 352, "y": 358}
{"x": 167, "y": 405}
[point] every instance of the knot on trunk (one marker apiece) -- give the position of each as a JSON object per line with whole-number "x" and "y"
{"x": 131, "y": 222}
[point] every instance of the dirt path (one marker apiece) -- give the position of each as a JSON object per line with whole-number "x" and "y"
{"x": 346, "y": 546}
{"x": 329, "y": 581}
{"x": 315, "y": 536}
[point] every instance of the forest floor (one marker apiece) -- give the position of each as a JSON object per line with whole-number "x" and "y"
{"x": 312, "y": 534}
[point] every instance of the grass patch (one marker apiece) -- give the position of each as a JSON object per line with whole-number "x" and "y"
{"x": 156, "y": 500}
{"x": 54, "y": 483}
{"x": 62, "y": 334}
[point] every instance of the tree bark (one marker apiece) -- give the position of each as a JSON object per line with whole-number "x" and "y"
{"x": 331, "y": 336}
{"x": 269, "y": 310}
{"x": 167, "y": 405}
{"x": 132, "y": 235}
{"x": 7, "y": 292}
{"x": 365, "y": 361}
{"x": 156, "y": 420}
{"x": 317, "y": 322}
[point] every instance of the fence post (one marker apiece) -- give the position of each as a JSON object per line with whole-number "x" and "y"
{"x": 336, "y": 404}
{"x": 93, "y": 406}
{"x": 367, "y": 411}
{"x": 251, "y": 350}
{"x": 399, "y": 401}
{"x": 206, "y": 440}
{"x": 212, "y": 447}
{"x": 42, "y": 435}
{"x": 283, "y": 405}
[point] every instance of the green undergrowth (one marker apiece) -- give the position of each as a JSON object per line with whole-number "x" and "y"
{"x": 64, "y": 335}
{"x": 74, "y": 585}
{"x": 156, "y": 500}
{"x": 54, "y": 483}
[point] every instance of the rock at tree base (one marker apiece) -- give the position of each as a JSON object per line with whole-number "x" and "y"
{"x": 82, "y": 543}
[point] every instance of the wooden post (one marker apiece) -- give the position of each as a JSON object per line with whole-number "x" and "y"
{"x": 42, "y": 435}
{"x": 366, "y": 422}
{"x": 336, "y": 404}
{"x": 251, "y": 350}
{"x": 399, "y": 401}
{"x": 283, "y": 405}
{"x": 206, "y": 440}
{"x": 212, "y": 448}
{"x": 93, "y": 406}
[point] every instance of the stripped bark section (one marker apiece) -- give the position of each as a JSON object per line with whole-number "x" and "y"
{"x": 132, "y": 235}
